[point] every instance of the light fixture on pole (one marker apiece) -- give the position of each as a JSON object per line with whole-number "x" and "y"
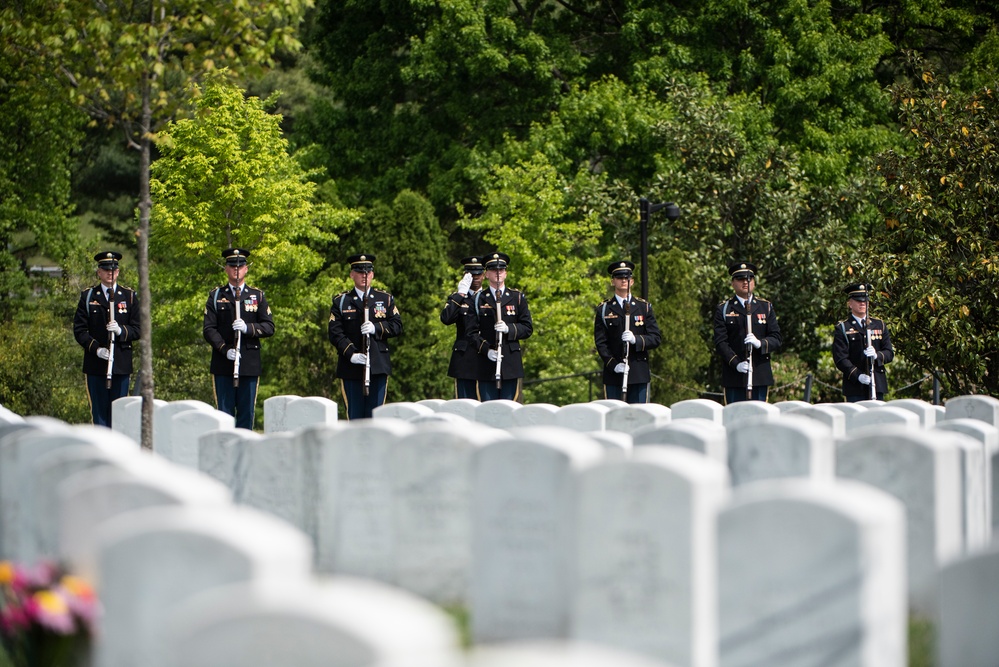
{"x": 647, "y": 208}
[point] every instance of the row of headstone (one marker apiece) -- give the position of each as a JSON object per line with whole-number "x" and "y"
{"x": 556, "y": 532}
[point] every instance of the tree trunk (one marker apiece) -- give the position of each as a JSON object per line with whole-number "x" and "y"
{"x": 145, "y": 293}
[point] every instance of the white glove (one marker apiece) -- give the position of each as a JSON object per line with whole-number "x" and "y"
{"x": 864, "y": 379}
{"x": 628, "y": 337}
{"x": 230, "y": 354}
{"x": 492, "y": 355}
{"x": 751, "y": 339}
{"x": 869, "y": 351}
{"x": 743, "y": 367}
{"x": 502, "y": 327}
{"x": 359, "y": 358}
{"x": 619, "y": 368}
{"x": 103, "y": 353}
{"x": 239, "y": 325}
{"x": 465, "y": 284}
{"x": 368, "y": 328}
{"x": 114, "y": 327}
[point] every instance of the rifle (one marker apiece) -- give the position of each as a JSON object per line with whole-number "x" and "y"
{"x": 749, "y": 347}
{"x": 627, "y": 346}
{"x": 111, "y": 337}
{"x": 870, "y": 360}
{"x": 499, "y": 347}
{"x": 367, "y": 342}
{"x": 239, "y": 345}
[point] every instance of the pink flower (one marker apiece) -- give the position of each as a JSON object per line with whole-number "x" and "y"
{"x": 50, "y": 610}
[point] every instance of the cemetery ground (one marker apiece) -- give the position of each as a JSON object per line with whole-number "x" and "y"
{"x": 497, "y": 534}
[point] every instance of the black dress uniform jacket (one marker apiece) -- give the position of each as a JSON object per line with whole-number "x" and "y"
{"x": 464, "y": 361}
{"x": 608, "y": 326}
{"x": 90, "y": 329}
{"x": 346, "y": 318}
{"x": 482, "y": 334}
{"x": 730, "y": 330}
{"x": 849, "y": 342}
{"x": 220, "y": 311}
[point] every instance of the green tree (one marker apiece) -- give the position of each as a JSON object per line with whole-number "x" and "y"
{"x": 556, "y": 261}
{"x": 224, "y": 179}
{"x": 37, "y": 135}
{"x": 936, "y": 258}
{"x": 124, "y": 63}
{"x": 406, "y": 238}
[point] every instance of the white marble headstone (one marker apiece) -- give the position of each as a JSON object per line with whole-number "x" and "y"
{"x": 967, "y": 611}
{"x": 463, "y": 407}
{"x": 788, "y": 447}
{"x": 187, "y": 428}
{"x": 831, "y": 417}
{"x": 163, "y": 424}
{"x": 497, "y": 414}
{"x": 646, "y": 555}
{"x": 924, "y": 472}
{"x": 635, "y": 417}
{"x": 275, "y": 413}
{"x": 523, "y": 495}
{"x": 698, "y": 408}
{"x": 404, "y": 410}
{"x": 883, "y": 415}
{"x": 154, "y": 559}
{"x": 983, "y": 408}
{"x": 584, "y": 417}
{"x": 700, "y": 435}
{"x": 535, "y": 414}
{"x": 743, "y": 411}
{"x": 926, "y": 412}
{"x": 812, "y": 574}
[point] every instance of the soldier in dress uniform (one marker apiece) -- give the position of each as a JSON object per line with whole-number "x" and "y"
{"x": 610, "y": 336}
{"x": 362, "y": 320}
{"x": 464, "y": 366}
{"x": 106, "y": 310}
{"x": 734, "y": 340}
{"x": 861, "y": 362}
{"x": 236, "y": 318}
{"x": 499, "y": 311}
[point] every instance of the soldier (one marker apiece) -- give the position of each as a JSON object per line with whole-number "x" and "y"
{"x": 500, "y": 313}
{"x": 615, "y": 341}
{"x": 236, "y": 318}
{"x": 464, "y": 364}
{"x": 106, "y": 312}
{"x": 861, "y": 359}
{"x": 362, "y": 320}
{"x": 734, "y": 340}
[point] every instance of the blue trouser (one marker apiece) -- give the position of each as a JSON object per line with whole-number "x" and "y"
{"x": 464, "y": 388}
{"x": 488, "y": 391}
{"x": 237, "y": 401}
{"x": 637, "y": 393}
{"x": 737, "y": 394}
{"x": 101, "y": 397}
{"x": 358, "y": 405}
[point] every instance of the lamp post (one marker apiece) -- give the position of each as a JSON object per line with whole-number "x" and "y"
{"x": 647, "y": 208}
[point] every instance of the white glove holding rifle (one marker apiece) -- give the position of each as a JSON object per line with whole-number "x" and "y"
{"x": 103, "y": 353}
{"x": 628, "y": 337}
{"x": 620, "y": 368}
{"x": 239, "y": 325}
{"x": 870, "y": 352}
{"x": 502, "y": 327}
{"x": 491, "y": 354}
{"x": 864, "y": 379}
{"x": 230, "y": 354}
{"x": 465, "y": 284}
{"x": 368, "y": 328}
{"x": 114, "y": 328}
{"x": 359, "y": 358}
{"x": 751, "y": 339}
{"x": 743, "y": 367}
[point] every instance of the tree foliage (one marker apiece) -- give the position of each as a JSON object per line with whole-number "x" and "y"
{"x": 225, "y": 179}
{"x": 936, "y": 257}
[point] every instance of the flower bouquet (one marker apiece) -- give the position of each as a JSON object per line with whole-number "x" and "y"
{"x": 46, "y": 616}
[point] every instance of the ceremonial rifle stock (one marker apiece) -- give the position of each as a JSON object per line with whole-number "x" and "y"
{"x": 367, "y": 344}
{"x": 239, "y": 345}
{"x": 627, "y": 347}
{"x": 111, "y": 337}
{"x": 499, "y": 347}
{"x": 870, "y": 360}
{"x": 749, "y": 347}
